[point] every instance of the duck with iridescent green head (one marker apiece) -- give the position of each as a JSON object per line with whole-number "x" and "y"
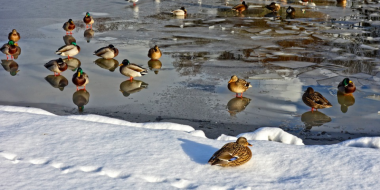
{"x": 88, "y": 20}
{"x": 80, "y": 78}
{"x": 68, "y": 50}
{"x": 10, "y": 48}
{"x": 346, "y": 86}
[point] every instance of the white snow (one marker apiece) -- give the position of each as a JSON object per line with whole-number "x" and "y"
{"x": 45, "y": 151}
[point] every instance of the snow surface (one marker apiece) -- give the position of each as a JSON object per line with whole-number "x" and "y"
{"x": 45, "y": 151}
{"x": 364, "y": 142}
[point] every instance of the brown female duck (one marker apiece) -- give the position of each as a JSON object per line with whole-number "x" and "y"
{"x": 14, "y": 36}
{"x": 238, "y": 85}
{"x": 232, "y": 154}
{"x": 315, "y": 100}
{"x": 240, "y": 8}
{"x": 154, "y": 53}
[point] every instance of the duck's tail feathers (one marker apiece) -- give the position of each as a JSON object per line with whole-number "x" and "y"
{"x": 58, "y": 53}
{"x": 144, "y": 72}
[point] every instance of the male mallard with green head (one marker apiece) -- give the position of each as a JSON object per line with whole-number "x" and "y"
{"x": 69, "y": 26}
{"x": 132, "y": 70}
{"x": 154, "y": 53}
{"x": 80, "y": 78}
{"x": 315, "y": 100}
{"x": 88, "y": 20}
{"x": 107, "y": 52}
{"x": 346, "y": 86}
{"x": 68, "y": 50}
{"x": 14, "y": 36}
{"x": 10, "y": 48}
{"x": 56, "y": 66}
{"x": 232, "y": 154}
{"x": 240, "y": 8}
{"x": 238, "y": 85}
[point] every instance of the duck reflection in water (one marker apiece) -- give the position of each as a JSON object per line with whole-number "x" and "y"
{"x": 154, "y": 65}
{"x": 81, "y": 98}
{"x": 69, "y": 39}
{"x": 89, "y": 34}
{"x": 72, "y": 63}
{"x": 10, "y": 66}
{"x": 132, "y": 86}
{"x": 314, "y": 119}
{"x": 272, "y": 14}
{"x": 345, "y": 101}
{"x": 57, "y": 81}
{"x": 236, "y": 105}
{"x": 341, "y": 3}
{"x": 108, "y": 64}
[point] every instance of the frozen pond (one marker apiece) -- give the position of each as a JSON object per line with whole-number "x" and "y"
{"x": 280, "y": 56}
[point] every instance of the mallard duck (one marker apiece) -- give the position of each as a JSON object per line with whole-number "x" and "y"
{"x": 238, "y": 85}
{"x": 14, "y": 36}
{"x": 57, "y": 81}
{"x": 57, "y": 66}
{"x": 109, "y": 64}
{"x": 69, "y": 39}
{"x": 236, "y": 105}
{"x": 69, "y": 26}
{"x": 346, "y": 86}
{"x": 274, "y": 7}
{"x": 89, "y": 34}
{"x": 232, "y": 154}
{"x": 240, "y": 8}
{"x": 154, "y": 65}
{"x": 180, "y": 12}
{"x": 88, "y": 20}
{"x": 107, "y": 52}
{"x": 345, "y": 101}
{"x": 154, "y": 53}
{"x": 80, "y": 78}
{"x": 68, "y": 50}
{"x": 290, "y": 11}
{"x": 315, "y": 100}
{"x": 10, "y": 66}
{"x": 133, "y": 1}
{"x": 81, "y": 98}
{"x": 130, "y": 87}
{"x": 10, "y": 48}
{"x": 131, "y": 70}
{"x": 72, "y": 63}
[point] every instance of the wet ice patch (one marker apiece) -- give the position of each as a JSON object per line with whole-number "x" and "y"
{"x": 292, "y": 64}
{"x": 364, "y": 142}
{"x": 272, "y": 134}
{"x": 96, "y": 14}
{"x": 107, "y": 38}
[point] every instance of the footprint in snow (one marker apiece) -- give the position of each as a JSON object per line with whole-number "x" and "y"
{"x": 10, "y": 156}
{"x": 39, "y": 161}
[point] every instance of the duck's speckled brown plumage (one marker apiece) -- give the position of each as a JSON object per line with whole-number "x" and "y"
{"x": 238, "y": 85}
{"x": 240, "y": 8}
{"x": 14, "y": 36}
{"x": 315, "y": 99}
{"x": 232, "y": 154}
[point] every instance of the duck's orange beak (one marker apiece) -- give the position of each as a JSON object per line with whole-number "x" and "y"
{"x": 78, "y": 74}
{"x": 230, "y": 81}
{"x": 120, "y": 65}
{"x": 350, "y": 82}
{"x": 249, "y": 144}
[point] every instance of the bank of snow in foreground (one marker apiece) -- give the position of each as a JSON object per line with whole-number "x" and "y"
{"x": 39, "y": 150}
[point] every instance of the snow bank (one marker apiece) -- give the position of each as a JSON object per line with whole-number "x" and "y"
{"x": 272, "y": 134}
{"x": 24, "y": 109}
{"x": 366, "y": 142}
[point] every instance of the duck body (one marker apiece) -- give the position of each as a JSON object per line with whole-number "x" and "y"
{"x": 88, "y": 20}
{"x": 80, "y": 78}
{"x": 315, "y": 100}
{"x": 232, "y": 154}
{"x": 10, "y": 49}
{"x": 238, "y": 85}
{"x": 346, "y": 86}
{"x": 154, "y": 53}
{"x": 56, "y": 66}
{"x": 14, "y": 36}
{"x": 290, "y": 11}
{"x": 180, "y": 12}
{"x": 108, "y": 52}
{"x": 274, "y": 7}
{"x": 69, "y": 26}
{"x": 131, "y": 70}
{"x": 68, "y": 50}
{"x": 304, "y": 2}
{"x": 240, "y": 8}
{"x": 133, "y": 1}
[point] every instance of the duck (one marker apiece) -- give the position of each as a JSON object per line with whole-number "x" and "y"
{"x": 133, "y": 1}
{"x": 238, "y": 85}
{"x": 10, "y": 48}
{"x": 315, "y": 100}
{"x": 232, "y": 154}
{"x": 68, "y": 50}
{"x": 69, "y": 39}
{"x": 80, "y": 78}
{"x": 69, "y": 26}
{"x": 274, "y": 7}
{"x": 107, "y": 52}
{"x": 240, "y": 8}
{"x": 290, "y": 11}
{"x": 88, "y": 20}
{"x": 57, "y": 66}
{"x": 59, "y": 82}
{"x": 14, "y": 36}
{"x": 154, "y": 53}
{"x": 132, "y": 70}
{"x": 81, "y": 98}
{"x": 346, "y": 86}
{"x": 130, "y": 87}
{"x": 10, "y": 66}
{"x": 180, "y": 12}
{"x": 89, "y": 34}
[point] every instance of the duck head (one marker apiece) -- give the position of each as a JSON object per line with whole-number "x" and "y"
{"x": 87, "y": 14}
{"x": 125, "y": 62}
{"x": 79, "y": 71}
{"x": 70, "y": 21}
{"x": 111, "y": 46}
{"x": 234, "y": 78}
{"x": 309, "y": 90}
{"x": 243, "y": 141}
{"x": 347, "y": 82}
